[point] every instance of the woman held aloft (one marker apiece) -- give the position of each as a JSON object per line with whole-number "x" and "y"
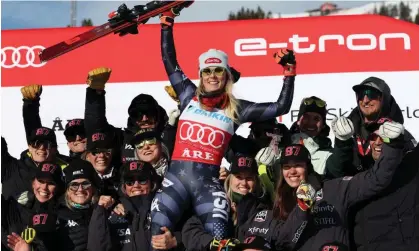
{"x": 129, "y": 230}
{"x": 311, "y": 130}
{"x": 76, "y": 206}
{"x": 250, "y": 215}
{"x": 328, "y": 219}
{"x": 209, "y": 116}
{"x": 34, "y": 214}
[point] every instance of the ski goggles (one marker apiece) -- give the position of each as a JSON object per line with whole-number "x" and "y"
{"x": 370, "y": 93}
{"x": 74, "y": 186}
{"x": 218, "y": 71}
{"x": 317, "y": 102}
{"x": 104, "y": 151}
{"x": 152, "y": 141}
{"x": 131, "y": 181}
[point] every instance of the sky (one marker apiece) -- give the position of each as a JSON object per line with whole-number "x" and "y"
{"x": 42, "y": 14}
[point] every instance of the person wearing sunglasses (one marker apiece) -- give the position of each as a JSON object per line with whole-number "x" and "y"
{"x": 335, "y": 198}
{"x": 100, "y": 154}
{"x": 143, "y": 112}
{"x": 149, "y": 148}
{"x": 130, "y": 229}
{"x": 388, "y": 220}
{"x": 210, "y": 114}
{"x": 32, "y": 215}
{"x": 75, "y": 206}
{"x": 76, "y": 137}
{"x": 17, "y": 173}
{"x": 311, "y": 130}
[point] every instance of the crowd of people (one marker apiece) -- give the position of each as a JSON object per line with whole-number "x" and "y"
{"x": 159, "y": 183}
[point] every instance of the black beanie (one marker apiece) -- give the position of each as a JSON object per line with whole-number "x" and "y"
{"x": 309, "y": 105}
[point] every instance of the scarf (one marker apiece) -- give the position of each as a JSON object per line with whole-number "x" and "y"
{"x": 161, "y": 166}
{"x": 214, "y": 100}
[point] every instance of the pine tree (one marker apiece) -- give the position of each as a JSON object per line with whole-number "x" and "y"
{"x": 87, "y": 22}
{"x": 383, "y": 11}
{"x": 247, "y": 13}
{"x": 405, "y": 12}
{"x": 417, "y": 17}
{"x": 394, "y": 12}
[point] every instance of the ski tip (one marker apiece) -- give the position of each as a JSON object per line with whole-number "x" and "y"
{"x": 112, "y": 14}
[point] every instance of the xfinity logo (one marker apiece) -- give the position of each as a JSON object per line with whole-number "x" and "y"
{"x": 256, "y": 230}
{"x": 355, "y": 42}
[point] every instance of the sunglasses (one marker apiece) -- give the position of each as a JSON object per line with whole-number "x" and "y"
{"x": 131, "y": 182}
{"x": 48, "y": 182}
{"x": 152, "y": 141}
{"x": 73, "y": 137}
{"x": 370, "y": 93}
{"x": 104, "y": 151}
{"x": 218, "y": 71}
{"x": 38, "y": 143}
{"x": 74, "y": 186}
{"x": 317, "y": 102}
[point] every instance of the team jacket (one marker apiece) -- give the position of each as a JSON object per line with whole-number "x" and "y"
{"x": 72, "y": 228}
{"x": 95, "y": 118}
{"x": 203, "y": 136}
{"x": 39, "y": 216}
{"x": 17, "y": 174}
{"x": 329, "y": 214}
{"x": 108, "y": 231}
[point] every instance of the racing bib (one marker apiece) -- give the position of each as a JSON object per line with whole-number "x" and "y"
{"x": 202, "y": 136}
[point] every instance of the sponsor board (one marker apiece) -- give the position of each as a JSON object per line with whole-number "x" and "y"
{"x": 67, "y": 101}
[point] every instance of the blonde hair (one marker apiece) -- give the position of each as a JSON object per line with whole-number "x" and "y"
{"x": 94, "y": 200}
{"x": 232, "y": 108}
{"x": 258, "y": 190}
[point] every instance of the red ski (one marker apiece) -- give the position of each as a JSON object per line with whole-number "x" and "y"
{"x": 122, "y": 22}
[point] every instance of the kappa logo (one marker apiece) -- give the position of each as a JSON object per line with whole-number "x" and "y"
{"x": 71, "y": 223}
{"x": 261, "y": 216}
{"x": 155, "y": 205}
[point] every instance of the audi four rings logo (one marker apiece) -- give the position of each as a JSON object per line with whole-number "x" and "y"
{"x": 204, "y": 135}
{"x": 21, "y": 57}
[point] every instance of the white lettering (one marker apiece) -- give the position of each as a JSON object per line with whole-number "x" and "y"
{"x": 250, "y": 47}
{"x": 295, "y": 40}
{"x": 221, "y": 206}
{"x": 253, "y": 230}
{"x": 328, "y": 208}
{"x": 404, "y": 36}
{"x": 197, "y": 154}
{"x": 322, "y": 39}
{"x": 258, "y": 46}
{"x": 367, "y": 47}
{"x": 299, "y": 232}
{"x": 186, "y": 153}
{"x": 324, "y": 221}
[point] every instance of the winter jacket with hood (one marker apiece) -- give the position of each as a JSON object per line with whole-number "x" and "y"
{"x": 358, "y": 146}
{"x": 95, "y": 118}
{"x": 320, "y": 147}
{"x": 390, "y": 220}
{"x": 329, "y": 214}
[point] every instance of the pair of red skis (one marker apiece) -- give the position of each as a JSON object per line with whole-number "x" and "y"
{"x": 123, "y": 21}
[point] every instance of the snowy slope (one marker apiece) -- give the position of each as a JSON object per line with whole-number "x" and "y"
{"x": 364, "y": 9}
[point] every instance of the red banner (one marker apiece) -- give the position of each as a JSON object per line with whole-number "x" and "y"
{"x": 322, "y": 44}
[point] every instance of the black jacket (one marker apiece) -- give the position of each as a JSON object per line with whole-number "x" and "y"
{"x": 390, "y": 220}
{"x": 17, "y": 175}
{"x": 95, "y": 119}
{"x": 39, "y": 216}
{"x": 360, "y": 159}
{"x": 330, "y": 212}
{"x": 73, "y": 226}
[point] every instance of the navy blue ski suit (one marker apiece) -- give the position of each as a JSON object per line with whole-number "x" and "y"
{"x": 201, "y": 140}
